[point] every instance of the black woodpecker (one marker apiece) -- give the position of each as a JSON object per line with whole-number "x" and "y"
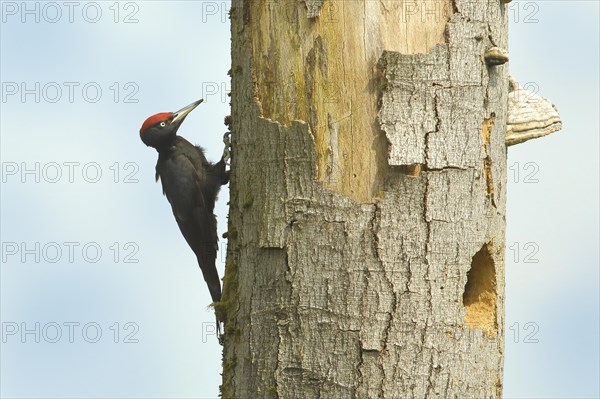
{"x": 191, "y": 185}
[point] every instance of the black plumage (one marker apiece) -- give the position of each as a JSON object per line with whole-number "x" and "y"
{"x": 191, "y": 185}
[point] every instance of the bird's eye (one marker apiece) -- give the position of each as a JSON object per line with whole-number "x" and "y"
{"x": 163, "y": 124}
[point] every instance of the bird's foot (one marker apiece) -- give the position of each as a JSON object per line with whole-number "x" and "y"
{"x": 220, "y": 334}
{"x": 227, "y": 150}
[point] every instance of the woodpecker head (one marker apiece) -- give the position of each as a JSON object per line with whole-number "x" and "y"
{"x": 160, "y": 129}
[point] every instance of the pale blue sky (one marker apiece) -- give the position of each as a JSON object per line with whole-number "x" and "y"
{"x": 174, "y": 54}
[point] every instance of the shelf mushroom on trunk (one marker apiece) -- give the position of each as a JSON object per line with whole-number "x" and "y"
{"x": 530, "y": 115}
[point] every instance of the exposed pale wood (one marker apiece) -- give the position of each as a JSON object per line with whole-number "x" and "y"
{"x": 323, "y": 71}
{"x": 366, "y": 234}
{"x": 530, "y": 116}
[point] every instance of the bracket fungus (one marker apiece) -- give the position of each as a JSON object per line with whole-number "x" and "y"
{"x": 495, "y": 56}
{"x": 529, "y": 115}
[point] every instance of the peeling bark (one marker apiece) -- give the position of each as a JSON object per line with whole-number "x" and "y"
{"x": 313, "y": 8}
{"x": 366, "y": 234}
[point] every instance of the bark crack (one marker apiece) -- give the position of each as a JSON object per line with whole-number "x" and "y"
{"x": 486, "y": 132}
{"x": 428, "y": 248}
{"x": 358, "y": 370}
{"x": 427, "y": 169}
{"x": 455, "y": 7}
{"x": 436, "y": 129}
{"x": 374, "y": 227}
{"x": 429, "y": 376}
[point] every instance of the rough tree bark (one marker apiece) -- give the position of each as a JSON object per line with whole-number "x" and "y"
{"x": 366, "y": 226}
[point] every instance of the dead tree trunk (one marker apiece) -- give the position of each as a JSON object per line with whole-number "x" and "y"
{"x": 366, "y": 228}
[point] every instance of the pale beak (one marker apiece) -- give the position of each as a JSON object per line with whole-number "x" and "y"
{"x": 182, "y": 113}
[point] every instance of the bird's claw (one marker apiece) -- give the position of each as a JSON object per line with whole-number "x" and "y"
{"x": 227, "y": 150}
{"x": 220, "y": 333}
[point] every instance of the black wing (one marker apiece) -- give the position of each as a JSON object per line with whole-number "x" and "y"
{"x": 183, "y": 178}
